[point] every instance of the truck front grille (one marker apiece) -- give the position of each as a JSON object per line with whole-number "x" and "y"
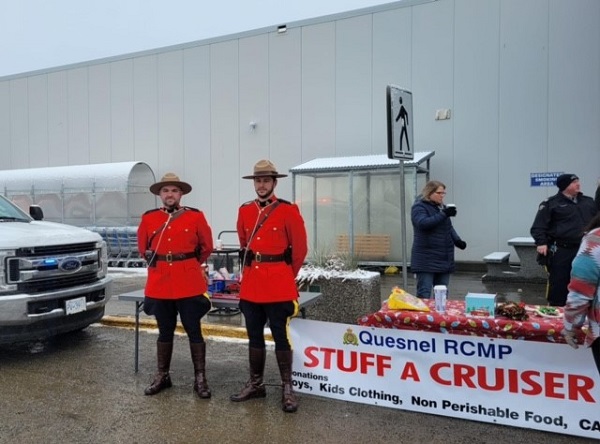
{"x": 40, "y": 269}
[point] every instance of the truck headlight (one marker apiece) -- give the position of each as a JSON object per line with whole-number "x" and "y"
{"x": 4, "y": 255}
{"x": 102, "y": 259}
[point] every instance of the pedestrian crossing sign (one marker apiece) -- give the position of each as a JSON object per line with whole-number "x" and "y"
{"x": 399, "y": 123}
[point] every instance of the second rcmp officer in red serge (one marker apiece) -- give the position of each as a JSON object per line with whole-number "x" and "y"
{"x": 273, "y": 241}
{"x": 176, "y": 241}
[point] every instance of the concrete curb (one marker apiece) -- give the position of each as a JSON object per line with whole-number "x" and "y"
{"x": 207, "y": 329}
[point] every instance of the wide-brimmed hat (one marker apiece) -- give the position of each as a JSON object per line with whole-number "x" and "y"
{"x": 264, "y": 168}
{"x": 170, "y": 179}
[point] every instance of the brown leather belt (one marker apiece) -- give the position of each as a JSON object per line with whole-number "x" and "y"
{"x": 173, "y": 257}
{"x": 259, "y": 257}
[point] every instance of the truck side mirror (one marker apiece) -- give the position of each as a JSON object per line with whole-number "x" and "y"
{"x": 36, "y": 212}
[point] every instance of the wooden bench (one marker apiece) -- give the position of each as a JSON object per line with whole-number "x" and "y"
{"x": 497, "y": 263}
{"x": 366, "y": 246}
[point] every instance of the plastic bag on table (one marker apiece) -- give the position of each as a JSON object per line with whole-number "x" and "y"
{"x": 401, "y": 300}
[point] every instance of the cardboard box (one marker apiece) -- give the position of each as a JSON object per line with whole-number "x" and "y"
{"x": 480, "y": 305}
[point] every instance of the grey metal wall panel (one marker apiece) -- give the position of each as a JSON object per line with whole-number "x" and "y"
{"x": 100, "y": 113}
{"x": 145, "y": 102}
{"x": 285, "y": 103}
{"x": 318, "y": 91}
{"x": 432, "y": 84}
{"x": 196, "y": 99}
{"x": 225, "y": 133}
{"x": 522, "y": 81}
{"x": 574, "y": 89}
{"x": 78, "y": 116}
{"x": 170, "y": 111}
{"x": 19, "y": 125}
{"x": 353, "y": 58}
{"x": 58, "y": 120}
{"x": 523, "y": 120}
{"x": 392, "y": 64}
{"x": 473, "y": 126}
{"x": 37, "y": 96}
{"x": 253, "y": 84}
{"x": 121, "y": 111}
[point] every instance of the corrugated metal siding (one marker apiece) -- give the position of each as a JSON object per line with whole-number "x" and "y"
{"x": 522, "y": 81}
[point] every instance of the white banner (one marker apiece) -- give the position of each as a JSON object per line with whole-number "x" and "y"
{"x": 535, "y": 385}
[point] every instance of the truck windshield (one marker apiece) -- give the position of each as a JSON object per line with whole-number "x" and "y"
{"x": 10, "y": 212}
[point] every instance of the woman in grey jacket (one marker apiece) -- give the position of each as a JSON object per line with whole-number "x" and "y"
{"x": 432, "y": 258}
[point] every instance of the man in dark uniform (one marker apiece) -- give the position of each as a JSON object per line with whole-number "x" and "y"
{"x": 176, "y": 241}
{"x": 273, "y": 241}
{"x": 557, "y": 231}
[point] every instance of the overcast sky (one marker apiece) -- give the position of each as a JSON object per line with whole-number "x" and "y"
{"x": 39, "y": 34}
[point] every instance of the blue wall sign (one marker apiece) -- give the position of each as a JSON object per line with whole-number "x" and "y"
{"x": 544, "y": 179}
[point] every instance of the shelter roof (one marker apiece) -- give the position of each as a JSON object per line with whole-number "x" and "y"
{"x": 106, "y": 176}
{"x": 353, "y": 163}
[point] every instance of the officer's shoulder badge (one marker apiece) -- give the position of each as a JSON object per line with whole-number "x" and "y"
{"x": 152, "y": 211}
{"x": 191, "y": 209}
{"x": 283, "y": 201}
{"x": 542, "y": 206}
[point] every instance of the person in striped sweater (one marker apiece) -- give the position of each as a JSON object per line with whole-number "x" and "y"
{"x": 583, "y": 300}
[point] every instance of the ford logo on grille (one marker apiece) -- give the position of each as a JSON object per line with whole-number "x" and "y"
{"x": 70, "y": 264}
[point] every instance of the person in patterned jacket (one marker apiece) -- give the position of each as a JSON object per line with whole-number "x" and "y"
{"x": 176, "y": 240}
{"x": 273, "y": 241}
{"x": 583, "y": 300}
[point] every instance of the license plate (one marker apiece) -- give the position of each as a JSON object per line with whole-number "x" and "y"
{"x": 73, "y": 306}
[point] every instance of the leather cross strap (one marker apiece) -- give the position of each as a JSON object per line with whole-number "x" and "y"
{"x": 163, "y": 226}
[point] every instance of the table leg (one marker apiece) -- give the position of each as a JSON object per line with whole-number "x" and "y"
{"x": 138, "y": 308}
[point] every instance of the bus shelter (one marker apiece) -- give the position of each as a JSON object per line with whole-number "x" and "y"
{"x": 351, "y": 205}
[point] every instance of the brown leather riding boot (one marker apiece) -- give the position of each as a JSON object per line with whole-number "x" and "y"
{"x": 162, "y": 379}
{"x": 198, "y": 351}
{"x": 289, "y": 404}
{"x": 254, "y": 388}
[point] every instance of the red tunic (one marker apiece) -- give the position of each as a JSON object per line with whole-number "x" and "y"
{"x": 284, "y": 227}
{"x": 183, "y": 278}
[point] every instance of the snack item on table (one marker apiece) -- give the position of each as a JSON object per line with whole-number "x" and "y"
{"x": 512, "y": 310}
{"x": 401, "y": 300}
{"x": 548, "y": 312}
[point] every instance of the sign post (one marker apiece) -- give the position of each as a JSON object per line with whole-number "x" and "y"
{"x": 400, "y": 146}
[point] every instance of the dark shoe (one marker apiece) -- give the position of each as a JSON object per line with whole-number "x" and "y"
{"x": 254, "y": 388}
{"x": 162, "y": 379}
{"x": 289, "y": 404}
{"x": 198, "y": 351}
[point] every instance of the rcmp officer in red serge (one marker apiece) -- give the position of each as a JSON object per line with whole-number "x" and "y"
{"x": 273, "y": 241}
{"x": 176, "y": 241}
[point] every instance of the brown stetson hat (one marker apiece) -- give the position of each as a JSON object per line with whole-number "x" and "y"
{"x": 264, "y": 168}
{"x": 170, "y": 179}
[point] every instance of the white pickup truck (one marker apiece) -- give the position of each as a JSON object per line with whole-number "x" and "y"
{"x": 53, "y": 277}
